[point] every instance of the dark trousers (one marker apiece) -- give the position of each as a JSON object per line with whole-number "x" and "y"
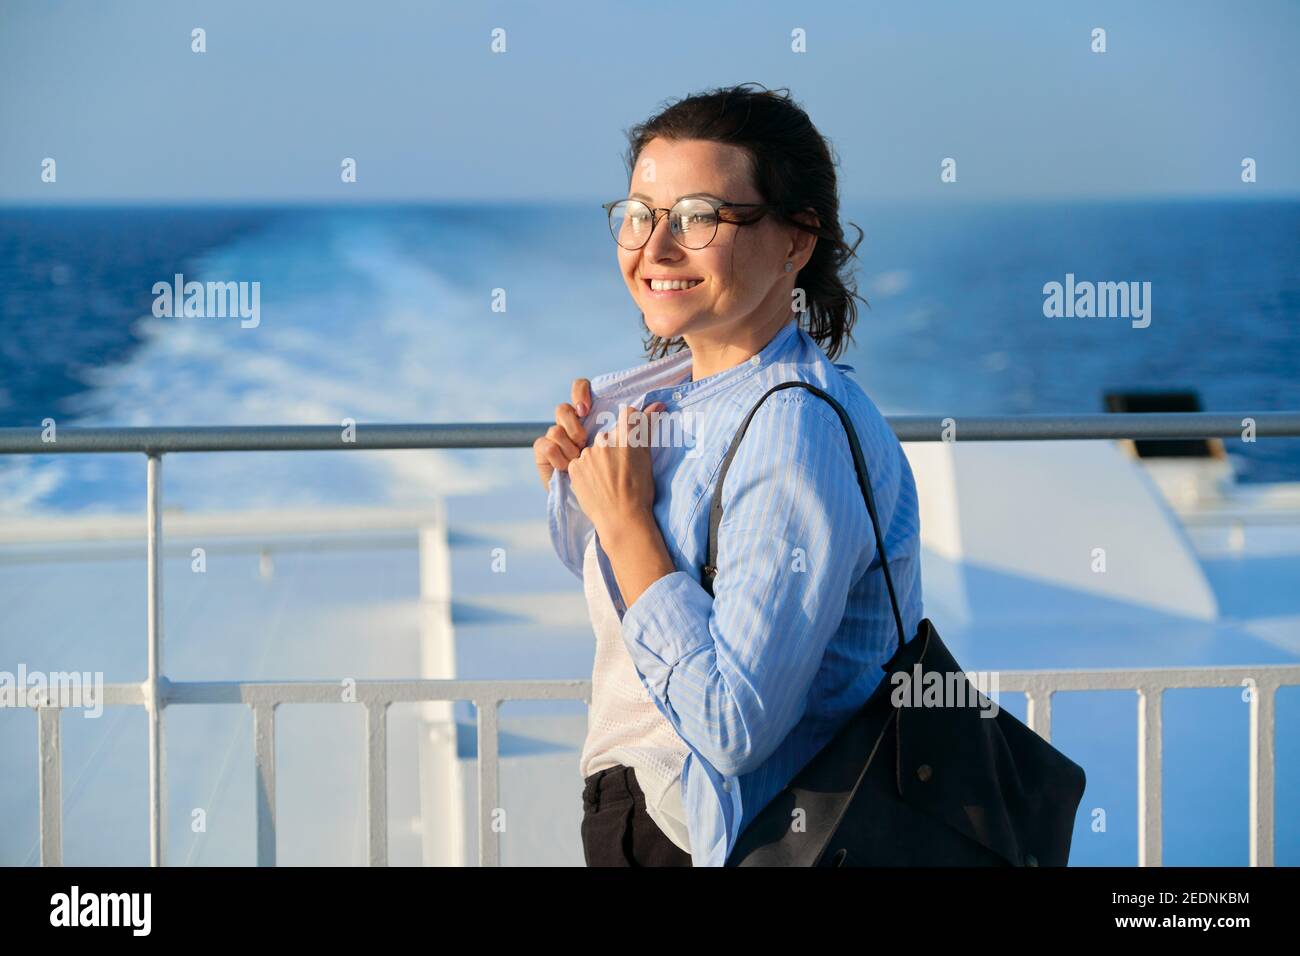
{"x": 616, "y": 828}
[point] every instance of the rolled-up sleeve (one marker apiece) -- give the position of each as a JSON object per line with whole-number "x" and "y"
{"x": 733, "y": 671}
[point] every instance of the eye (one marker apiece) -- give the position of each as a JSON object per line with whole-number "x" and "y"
{"x": 695, "y": 214}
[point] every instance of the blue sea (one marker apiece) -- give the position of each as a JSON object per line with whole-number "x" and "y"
{"x": 385, "y": 314}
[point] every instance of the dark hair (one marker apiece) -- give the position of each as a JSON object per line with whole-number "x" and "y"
{"x": 793, "y": 171}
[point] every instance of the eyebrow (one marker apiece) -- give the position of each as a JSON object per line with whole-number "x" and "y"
{"x": 650, "y": 199}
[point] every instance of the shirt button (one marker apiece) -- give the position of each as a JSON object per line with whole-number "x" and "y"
{"x": 726, "y": 785}
{"x": 755, "y": 360}
{"x": 677, "y": 396}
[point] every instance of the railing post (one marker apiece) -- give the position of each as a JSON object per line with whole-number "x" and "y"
{"x": 51, "y": 783}
{"x": 377, "y": 780}
{"x": 444, "y": 838}
{"x": 154, "y": 700}
{"x": 489, "y": 844}
{"x": 264, "y": 780}
{"x": 1038, "y": 710}
{"x": 1263, "y": 733}
{"x": 1150, "y": 749}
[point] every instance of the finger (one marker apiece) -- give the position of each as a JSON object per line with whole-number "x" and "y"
{"x": 566, "y": 416}
{"x": 556, "y": 458}
{"x": 544, "y": 468}
{"x": 650, "y": 412}
{"x": 539, "y": 449}
{"x": 581, "y": 396}
{"x": 644, "y": 423}
{"x": 556, "y": 434}
{"x": 627, "y": 419}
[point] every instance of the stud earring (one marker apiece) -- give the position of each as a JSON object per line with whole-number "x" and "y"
{"x": 789, "y": 266}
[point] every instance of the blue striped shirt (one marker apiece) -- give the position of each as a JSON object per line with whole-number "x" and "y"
{"x": 757, "y": 678}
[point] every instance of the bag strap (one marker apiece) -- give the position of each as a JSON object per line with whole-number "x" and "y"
{"x": 860, "y": 466}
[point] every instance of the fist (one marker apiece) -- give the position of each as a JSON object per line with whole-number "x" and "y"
{"x": 564, "y": 440}
{"x": 613, "y": 479}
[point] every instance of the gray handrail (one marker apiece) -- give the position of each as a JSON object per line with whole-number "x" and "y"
{"x": 910, "y": 428}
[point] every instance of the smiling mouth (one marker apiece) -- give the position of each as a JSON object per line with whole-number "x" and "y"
{"x": 674, "y": 289}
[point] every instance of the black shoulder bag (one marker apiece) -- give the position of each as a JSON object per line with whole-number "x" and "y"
{"x": 909, "y": 785}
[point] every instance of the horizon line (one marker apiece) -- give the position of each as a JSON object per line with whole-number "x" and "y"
{"x": 322, "y": 202}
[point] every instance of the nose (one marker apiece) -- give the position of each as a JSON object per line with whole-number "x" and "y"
{"x": 661, "y": 244}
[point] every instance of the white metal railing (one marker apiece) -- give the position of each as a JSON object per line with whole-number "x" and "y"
{"x": 376, "y": 696}
{"x": 1260, "y": 682}
{"x": 263, "y": 697}
{"x": 156, "y": 693}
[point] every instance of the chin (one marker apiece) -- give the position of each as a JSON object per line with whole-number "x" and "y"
{"x": 666, "y": 327}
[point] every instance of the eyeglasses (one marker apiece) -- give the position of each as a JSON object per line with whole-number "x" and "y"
{"x": 693, "y": 220}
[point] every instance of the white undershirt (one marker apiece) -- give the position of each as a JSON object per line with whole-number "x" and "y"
{"x": 623, "y": 724}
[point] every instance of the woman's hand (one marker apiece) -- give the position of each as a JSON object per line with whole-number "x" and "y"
{"x": 613, "y": 479}
{"x": 565, "y": 439}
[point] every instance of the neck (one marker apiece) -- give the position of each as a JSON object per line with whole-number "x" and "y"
{"x": 716, "y": 352}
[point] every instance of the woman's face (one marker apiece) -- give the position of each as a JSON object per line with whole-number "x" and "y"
{"x": 742, "y": 270}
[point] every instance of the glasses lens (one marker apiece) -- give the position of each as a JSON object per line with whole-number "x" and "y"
{"x": 630, "y": 223}
{"x": 694, "y": 223}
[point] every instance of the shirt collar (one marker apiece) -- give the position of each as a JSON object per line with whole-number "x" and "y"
{"x": 675, "y": 370}
{"x": 685, "y": 392}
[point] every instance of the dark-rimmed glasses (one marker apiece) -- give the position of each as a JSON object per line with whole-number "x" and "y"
{"x": 693, "y": 220}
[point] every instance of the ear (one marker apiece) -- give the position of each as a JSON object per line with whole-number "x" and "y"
{"x": 803, "y": 243}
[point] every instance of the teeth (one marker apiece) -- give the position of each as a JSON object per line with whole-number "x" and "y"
{"x": 660, "y": 285}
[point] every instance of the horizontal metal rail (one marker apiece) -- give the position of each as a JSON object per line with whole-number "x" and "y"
{"x": 154, "y": 441}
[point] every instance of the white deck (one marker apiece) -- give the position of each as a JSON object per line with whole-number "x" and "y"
{"x": 1008, "y": 579}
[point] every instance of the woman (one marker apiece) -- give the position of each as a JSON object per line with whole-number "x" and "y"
{"x": 705, "y": 707}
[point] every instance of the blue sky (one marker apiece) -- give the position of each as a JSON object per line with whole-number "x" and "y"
{"x": 112, "y": 91}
